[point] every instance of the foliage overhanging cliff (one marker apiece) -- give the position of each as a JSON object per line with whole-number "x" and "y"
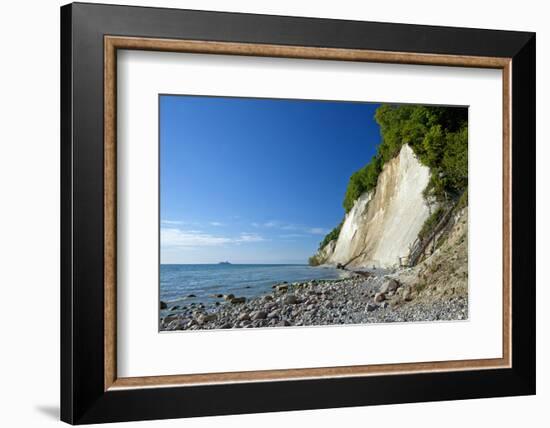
{"x": 438, "y": 137}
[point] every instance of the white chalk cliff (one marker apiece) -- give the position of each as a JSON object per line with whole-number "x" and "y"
{"x": 384, "y": 223}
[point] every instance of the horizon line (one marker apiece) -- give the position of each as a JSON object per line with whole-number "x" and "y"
{"x": 230, "y": 263}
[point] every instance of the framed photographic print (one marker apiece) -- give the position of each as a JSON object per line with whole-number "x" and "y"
{"x": 265, "y": 213}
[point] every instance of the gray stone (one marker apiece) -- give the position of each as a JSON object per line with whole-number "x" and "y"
{"x": 270, "y": 306}
{"x": 389, "y": 286}
{"x": 163, "y": 305}
{"x": 379, "y": 297}
{"x": 228, "y": 296}
{"x": 174, "y": 325}
{"x": 282, "y": 287}
{"x": 258, "y": 315}
{"x": 371, "y": 307}
{"x": 237, "y": 300}
{"x": 290, "y": 299}
{"x": 204, "y": 318}
{"x": 243, "y": 316}
{"x": 170, "y": 318}
{"x": 273, "y": 314}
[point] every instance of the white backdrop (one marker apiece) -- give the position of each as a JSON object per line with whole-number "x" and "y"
{"x": 142, "y": 351}
{"x": 29, "y": 173}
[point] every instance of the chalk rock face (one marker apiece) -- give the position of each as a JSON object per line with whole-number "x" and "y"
{"x": 384, "y": 223}
{"x": 325, "y": 253}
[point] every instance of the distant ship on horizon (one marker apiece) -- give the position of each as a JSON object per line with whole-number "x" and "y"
{"x": 224, "y": 263}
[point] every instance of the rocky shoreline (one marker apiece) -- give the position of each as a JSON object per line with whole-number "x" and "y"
{"x": 360, "y": 299}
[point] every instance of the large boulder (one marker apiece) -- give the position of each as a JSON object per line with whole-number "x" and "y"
{"x": 169, "y": 318}
{"x": 371, "y": 307}
{"x": 204, "y": 318}
{"x": 389, "y": 286}
{"x": 282, "y": 288}
{"x": 244, "y": 316}
{"x": 379, "y": 297}
{"x": 290, "y": 299}
{"x": 258, "y": 315}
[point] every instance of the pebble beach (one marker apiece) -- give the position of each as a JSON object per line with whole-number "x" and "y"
{"x": 359, "y": 299}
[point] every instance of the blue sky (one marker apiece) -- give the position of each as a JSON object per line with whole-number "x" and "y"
{"x": 256, "y": 180}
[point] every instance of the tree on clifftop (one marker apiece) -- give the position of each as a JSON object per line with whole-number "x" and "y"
{"x": 437, "y": 135}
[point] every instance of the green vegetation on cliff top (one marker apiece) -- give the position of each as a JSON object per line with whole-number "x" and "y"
{"x": 333, "y": 234}
{"x": 438, "y": 137}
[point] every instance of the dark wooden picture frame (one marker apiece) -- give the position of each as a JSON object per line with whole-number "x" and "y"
{"x": 90, "y": 389}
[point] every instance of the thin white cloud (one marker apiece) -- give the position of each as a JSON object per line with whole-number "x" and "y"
{"x": 289, "y": 227}
{"x": 174, "y": 222}
{"x": 274, "y": 224}
{"x": 292, "y": 235}
{"x": 317, "y": 231}
{"x": 216, "y": 223}
{"x": 249, "y": 237}
{"x": 173, "y": 237}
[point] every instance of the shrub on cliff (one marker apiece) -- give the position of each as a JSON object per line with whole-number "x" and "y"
{"x": 333, "y": 234}
{"x": 314, "y": 261}
{"x": 362, "y": 181}
{"x": 438, "y": 136}
{"x": 430, "y": 223}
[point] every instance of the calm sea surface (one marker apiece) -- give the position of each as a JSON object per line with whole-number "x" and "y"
{"x": 179, "y": 281}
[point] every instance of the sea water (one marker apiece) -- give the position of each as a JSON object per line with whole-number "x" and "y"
{"x": 179, "y": 282}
